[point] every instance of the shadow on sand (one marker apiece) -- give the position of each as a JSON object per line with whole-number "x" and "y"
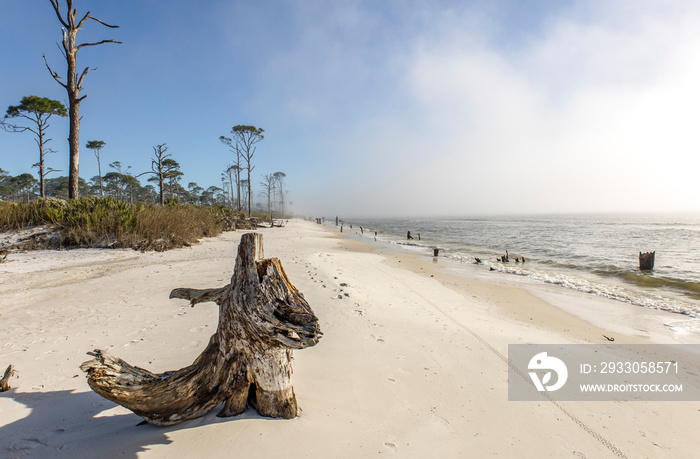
{"x": 78, "y": 425}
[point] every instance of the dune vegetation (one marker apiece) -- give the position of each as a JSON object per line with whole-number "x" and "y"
{"x": 107, "y": 222}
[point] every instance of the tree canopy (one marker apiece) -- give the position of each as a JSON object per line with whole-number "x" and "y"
{"x": 248, "y": 132}
{"x": 32, "y": 107}
{"x": 37, "y": 110}
{"x": 95, "y": 145}
{"x": 245, "y": 138}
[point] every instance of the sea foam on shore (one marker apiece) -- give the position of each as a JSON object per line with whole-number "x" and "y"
{"x": 594, "y": 254}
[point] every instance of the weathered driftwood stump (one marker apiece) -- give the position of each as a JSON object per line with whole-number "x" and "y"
{"x": 262, "y": 318}
{"x": 5, "y": 380}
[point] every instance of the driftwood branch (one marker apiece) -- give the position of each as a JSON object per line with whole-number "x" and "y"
{"x": 104, "y": 23}
{"x": 82, "y": 21}
{"x": 98, "y": 43}
{"x": 57, "y": 8}
{"x": 82, "y": 76}
{"x": 54, "y": 74}
{"x": 195, "y": 296}
{"x": 248, "y": 361}
{"x": 62, "y": 50}
{"x": 7, "y": 127}
{"x": 5, "y": 381}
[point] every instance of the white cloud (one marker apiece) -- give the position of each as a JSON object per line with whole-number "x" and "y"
{"x": 595, "y": 111}
{"x": 598, "y": 115}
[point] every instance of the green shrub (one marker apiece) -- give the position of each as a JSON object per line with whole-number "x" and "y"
{"x": 111, "y": 223}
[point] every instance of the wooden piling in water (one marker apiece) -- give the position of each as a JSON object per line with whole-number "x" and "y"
{"x": 646, "y": 260}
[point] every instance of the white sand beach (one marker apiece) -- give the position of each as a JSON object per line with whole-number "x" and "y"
{"x": 413, "y": 361}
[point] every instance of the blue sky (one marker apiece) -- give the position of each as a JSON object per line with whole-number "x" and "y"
{"x": 385, "y": 108}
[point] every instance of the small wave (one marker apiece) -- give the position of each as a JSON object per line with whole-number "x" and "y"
{"x": 596, "y": 272}
{"x": 607, "y": 270}
{"x": 685, "y": 327}
{"x": 650, "y": 281}
{"x": 606, "y": 291}
{"x": 410, "y": 244}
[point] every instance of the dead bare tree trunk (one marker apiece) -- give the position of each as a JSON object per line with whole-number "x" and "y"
{"x": 159, "y": 168}
{"x": 74, "y": 83}
{"x": 262, "y": 318}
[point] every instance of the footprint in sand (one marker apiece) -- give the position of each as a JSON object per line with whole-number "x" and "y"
{"x": 26, "y": 444}
{"x": 133, "y": 341}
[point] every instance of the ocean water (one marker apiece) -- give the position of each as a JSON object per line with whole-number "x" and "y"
{"x": 596, "y": 254}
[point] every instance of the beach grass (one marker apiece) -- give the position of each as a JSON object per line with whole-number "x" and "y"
{"x": 106, "y": 222}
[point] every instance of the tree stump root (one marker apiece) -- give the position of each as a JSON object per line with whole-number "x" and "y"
{"x": 248, "y": 361}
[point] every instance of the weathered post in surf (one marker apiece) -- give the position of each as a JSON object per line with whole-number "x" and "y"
{"x": 646, "y": 260}
{"x": 262, "y": 318}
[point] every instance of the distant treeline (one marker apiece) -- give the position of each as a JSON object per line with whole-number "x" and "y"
{"x": 117, "y": 185}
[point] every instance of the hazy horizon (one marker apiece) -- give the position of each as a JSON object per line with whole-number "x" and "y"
{"x": 651, "y": 213}
{"x": 387, "y": 108}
